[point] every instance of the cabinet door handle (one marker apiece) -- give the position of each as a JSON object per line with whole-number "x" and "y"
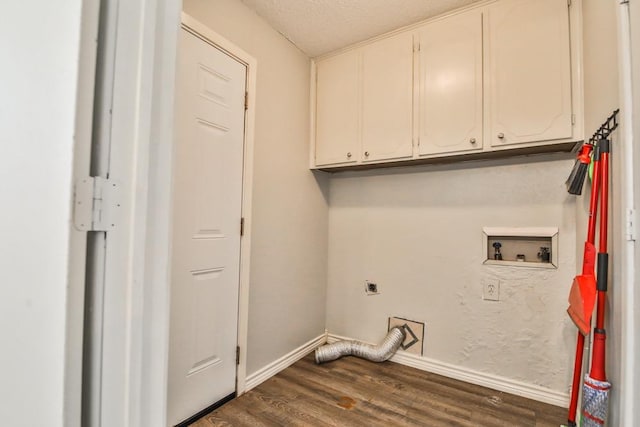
{"x": 501, "y": 135}
{"x": 366, "y": 153}
{"x": 472, "y": 140}
{"x": 349, "y": 154}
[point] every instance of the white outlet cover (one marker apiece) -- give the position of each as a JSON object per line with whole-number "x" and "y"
{"x": 491, "y": 290}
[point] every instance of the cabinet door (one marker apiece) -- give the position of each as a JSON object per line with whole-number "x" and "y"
{"x": 530, "y": 69}
{"x": 387, "y": 99}
{"x": 450, "y": 77}
{"x": 338, "y": 109}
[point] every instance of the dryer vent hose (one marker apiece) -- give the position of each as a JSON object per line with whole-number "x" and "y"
{"x": 374, "y": 353}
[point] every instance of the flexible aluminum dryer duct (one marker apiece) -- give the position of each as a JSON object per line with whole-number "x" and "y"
{"x": 374, "y": 353}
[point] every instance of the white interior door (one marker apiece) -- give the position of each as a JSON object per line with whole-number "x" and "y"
{"x": 209, "y": 125}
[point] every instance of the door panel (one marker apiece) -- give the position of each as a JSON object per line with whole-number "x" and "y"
{"x": 387, "y": 99}
{"x": 338, "y": 109}
{"x": 207, "y": 192}
{"x": 530, "y": 71}
{"x": 451, "y": 85}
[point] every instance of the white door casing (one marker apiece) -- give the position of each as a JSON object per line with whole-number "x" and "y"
{"x": 208, "y": 162}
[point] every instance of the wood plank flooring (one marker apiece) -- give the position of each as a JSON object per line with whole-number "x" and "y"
{"x": 355, "y": 392}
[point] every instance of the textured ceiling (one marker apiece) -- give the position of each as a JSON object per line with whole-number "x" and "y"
{"x": 321, "y": 26}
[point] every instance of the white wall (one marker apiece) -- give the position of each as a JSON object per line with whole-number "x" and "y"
{"x": 600, "y": 81}
{"x": 40, "y": 47}
{"x": 633, "y": 411}
{"x": 601, "y": 98}
{"x": 418, "y": 233}
{"x": 600, "y": 73}
{"x": 600, "y": 62}
{"x": 290, "y": 213}
{"x": 632, "y": 376}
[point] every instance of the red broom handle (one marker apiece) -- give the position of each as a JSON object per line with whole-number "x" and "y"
{"x": 602, "y": 247}
{"x": 593, "y": 204}
{"x": 599, "y": 335}
{"x": 604, "y": 200}
{"x": 591, "y": 238}
{"x": 575, "y": 385}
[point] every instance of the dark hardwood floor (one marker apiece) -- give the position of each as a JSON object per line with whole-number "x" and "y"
{"x": 355, "y": 392}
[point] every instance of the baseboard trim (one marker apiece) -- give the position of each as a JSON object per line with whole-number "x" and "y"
{"x": 284, "y": 362}
{"x": 495, "y": 382}
{"x": 206, "y": 411}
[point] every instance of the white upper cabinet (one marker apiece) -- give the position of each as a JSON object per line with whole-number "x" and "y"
{"x": 387, "y": 99}
{"x": 530, "y": 71}
{"x": 503, "y": 75}
{"x": 450, "y": 79}
{"x": 338, "y": 110}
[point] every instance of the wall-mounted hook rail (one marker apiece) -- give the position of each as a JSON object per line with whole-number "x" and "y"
{"x": 607, "y": 127}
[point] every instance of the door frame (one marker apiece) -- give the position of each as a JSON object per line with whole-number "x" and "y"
{"x": 145, "y": 77}
{"x": 137, "y": 274}
{"x": 77, "y": 238}
{"x": 625, "y": 229}
{"x": 215, "y": 40}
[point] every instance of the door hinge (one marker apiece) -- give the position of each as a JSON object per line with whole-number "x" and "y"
{"x": 569, "y": 3}
{"x": 237, "y": 355}
{"x": 246, "y": 101}
{"x": 631, "y": 225}
{"x": 416, "y": 47}
{"x": 573, "y": 119}
{"x": 96, "y": 204}
{"x": 242, "y": 226}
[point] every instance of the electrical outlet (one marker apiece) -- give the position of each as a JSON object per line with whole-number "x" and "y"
{"x": 371, "y": 288}
{"x": 491, "y": 290}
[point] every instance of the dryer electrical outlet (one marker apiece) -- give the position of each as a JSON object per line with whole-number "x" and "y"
{"x": 371, "y": 288}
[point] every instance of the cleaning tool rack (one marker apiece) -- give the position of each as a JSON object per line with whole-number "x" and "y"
{"x": 606, "y": 128}
{"x": 576, "y": 178}
{"x": 583, "y": 293}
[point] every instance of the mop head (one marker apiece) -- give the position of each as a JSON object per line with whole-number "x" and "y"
{"x": 595, "y": 402}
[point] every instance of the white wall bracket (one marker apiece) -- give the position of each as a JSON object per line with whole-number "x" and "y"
{"x": 631, "y": 225}
{"x": 96, "y": 204}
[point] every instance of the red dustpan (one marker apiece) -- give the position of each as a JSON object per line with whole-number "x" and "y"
{"x": 582, "y": 297}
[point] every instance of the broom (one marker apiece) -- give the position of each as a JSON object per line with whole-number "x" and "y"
{"x": 583, "y": 291}
{"x": 575, "y": 181}
{"x": 595, "y": 391}
{"x": 580, "y": 307}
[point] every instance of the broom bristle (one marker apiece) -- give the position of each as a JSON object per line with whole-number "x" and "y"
{"x": 575, "y": 182}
